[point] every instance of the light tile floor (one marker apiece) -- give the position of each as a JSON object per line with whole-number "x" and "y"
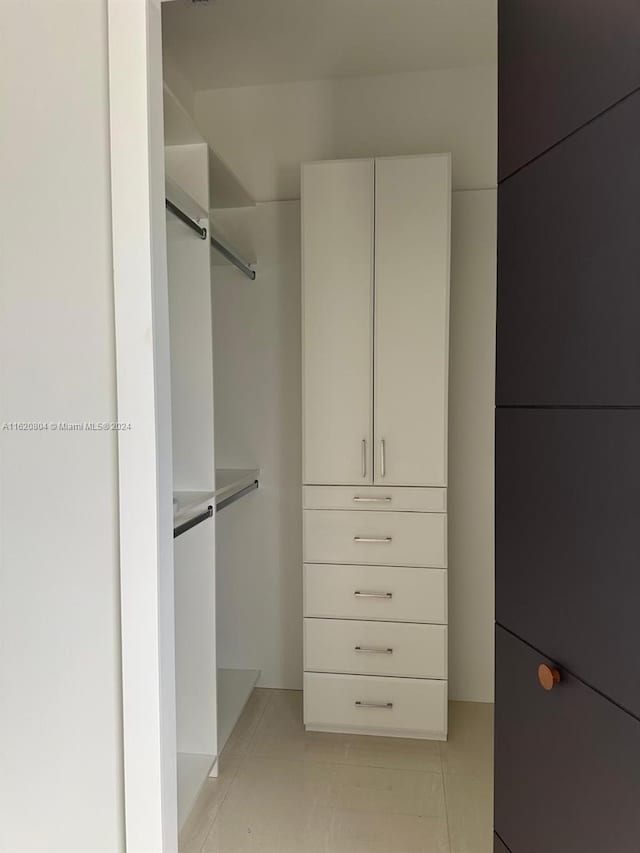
{"x": 282, "y": 790}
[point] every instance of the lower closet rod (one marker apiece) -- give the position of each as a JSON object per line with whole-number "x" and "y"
{"x": 198, "y": 519}
{"x": 182, "y": 216}
{"x": 233, "y": 498}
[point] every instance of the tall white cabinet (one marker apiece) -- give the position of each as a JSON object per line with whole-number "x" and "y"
{"x": 375, "y": 236}
{"x": 337, "y": 258}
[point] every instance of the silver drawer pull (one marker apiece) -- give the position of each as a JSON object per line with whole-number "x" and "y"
{"x": 381, "y": 500}
{"x": 386, "y": 705}
{"x": 361, "y": 594}
{"x": 382, "y": 539}
{"x": 373, "y": 650}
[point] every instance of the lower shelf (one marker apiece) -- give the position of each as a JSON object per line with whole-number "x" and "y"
{"x": 192, "y": 771}
{"x": 234, "y": 689}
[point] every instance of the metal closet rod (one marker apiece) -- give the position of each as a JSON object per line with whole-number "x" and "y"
{"x": 234, "y": 259}
{"x": 217, "y": 245}
{"x": 182, "y": 216}
{"x": 236, "y": 497}
{"x": 187, "y": 525}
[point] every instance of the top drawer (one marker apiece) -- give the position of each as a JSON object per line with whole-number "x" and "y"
{"x": 375, "y": 498}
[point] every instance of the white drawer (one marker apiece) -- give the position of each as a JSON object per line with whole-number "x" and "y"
{"x": 379, "y": 498}
{"x": 388, "y": 593}
{"x": 375, "y": 648}
{"x": 375, "y": 538}
{"x": 366, "y": 704}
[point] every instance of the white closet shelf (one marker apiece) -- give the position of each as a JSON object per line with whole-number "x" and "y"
{"x": 229, "y": 483}
{"x": 235, "y": 686}
{"x": 187, "y": 505}
{"x": 226, "y": 189}
{"x": 193, "y": 769}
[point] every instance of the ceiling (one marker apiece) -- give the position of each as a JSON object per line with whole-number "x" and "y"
{"x": 227, "y": 43}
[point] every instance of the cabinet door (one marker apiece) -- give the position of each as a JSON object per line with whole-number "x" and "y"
{"x": 567, "y": 761}
{"x": 413, "y": 201}
{"x": 560, "y": 64}
{"x": 337, "y": 261}
{"x": 568, "y": 540}
{"x": 569, "y": 264}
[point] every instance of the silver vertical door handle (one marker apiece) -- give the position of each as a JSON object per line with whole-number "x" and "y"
{"x": 364, "y": 457}
{"x": 383, "y": 458}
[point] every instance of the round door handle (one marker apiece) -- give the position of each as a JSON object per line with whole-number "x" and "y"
{"x": 548, "y": 676}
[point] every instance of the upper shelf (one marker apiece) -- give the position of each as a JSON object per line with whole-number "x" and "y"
{"x": 225, "y": 188}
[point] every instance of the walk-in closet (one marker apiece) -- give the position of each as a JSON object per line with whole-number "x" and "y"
{"x": 276, "y": 312}
{"x": 331, "y": 245}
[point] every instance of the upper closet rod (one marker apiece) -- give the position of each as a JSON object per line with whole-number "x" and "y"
{"x": 186, "y": 219}
{"x": 234, "y": 259}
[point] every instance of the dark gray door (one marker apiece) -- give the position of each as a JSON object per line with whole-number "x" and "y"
{"x": 561, "y": 62}
{"x": 567, "y": 762}
{"x": 569, "y": 261}
{"x": 568, "y": 428}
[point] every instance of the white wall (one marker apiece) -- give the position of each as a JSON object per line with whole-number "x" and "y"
{"x": 265, "y": 132}
{"x": 471, "y": 444}
{"x": 256, "y": 347}
{"x": 60, "y": 706}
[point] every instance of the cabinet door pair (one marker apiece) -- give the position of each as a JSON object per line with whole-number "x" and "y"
{"x": 375, "y": 240}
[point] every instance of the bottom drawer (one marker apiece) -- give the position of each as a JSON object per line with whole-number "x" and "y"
{"x": 364, "y": 704}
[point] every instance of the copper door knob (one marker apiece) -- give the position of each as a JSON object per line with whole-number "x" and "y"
{"x": 548, "y": 676}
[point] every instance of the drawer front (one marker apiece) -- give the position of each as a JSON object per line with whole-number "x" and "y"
{"x": 376, "y": 498}
{"x": 389, "y": 539}
{"x": 375, "y": 648}
{"x": 397, "y": 707}
{"x": 567, "y": 761}
{"x": 385, "y": 593}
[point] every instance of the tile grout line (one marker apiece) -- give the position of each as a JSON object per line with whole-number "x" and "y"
{"x": 444, "y": 795}
{"x": 258, "y": 721}
{"x": 243, "y": 755}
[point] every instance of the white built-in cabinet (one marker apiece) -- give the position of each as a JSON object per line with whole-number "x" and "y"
{"x": 376, "y": 246}
{"x": 376, "y": 298}
{"x": 411, "y": 314}
{"x": 337, "y": 246}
